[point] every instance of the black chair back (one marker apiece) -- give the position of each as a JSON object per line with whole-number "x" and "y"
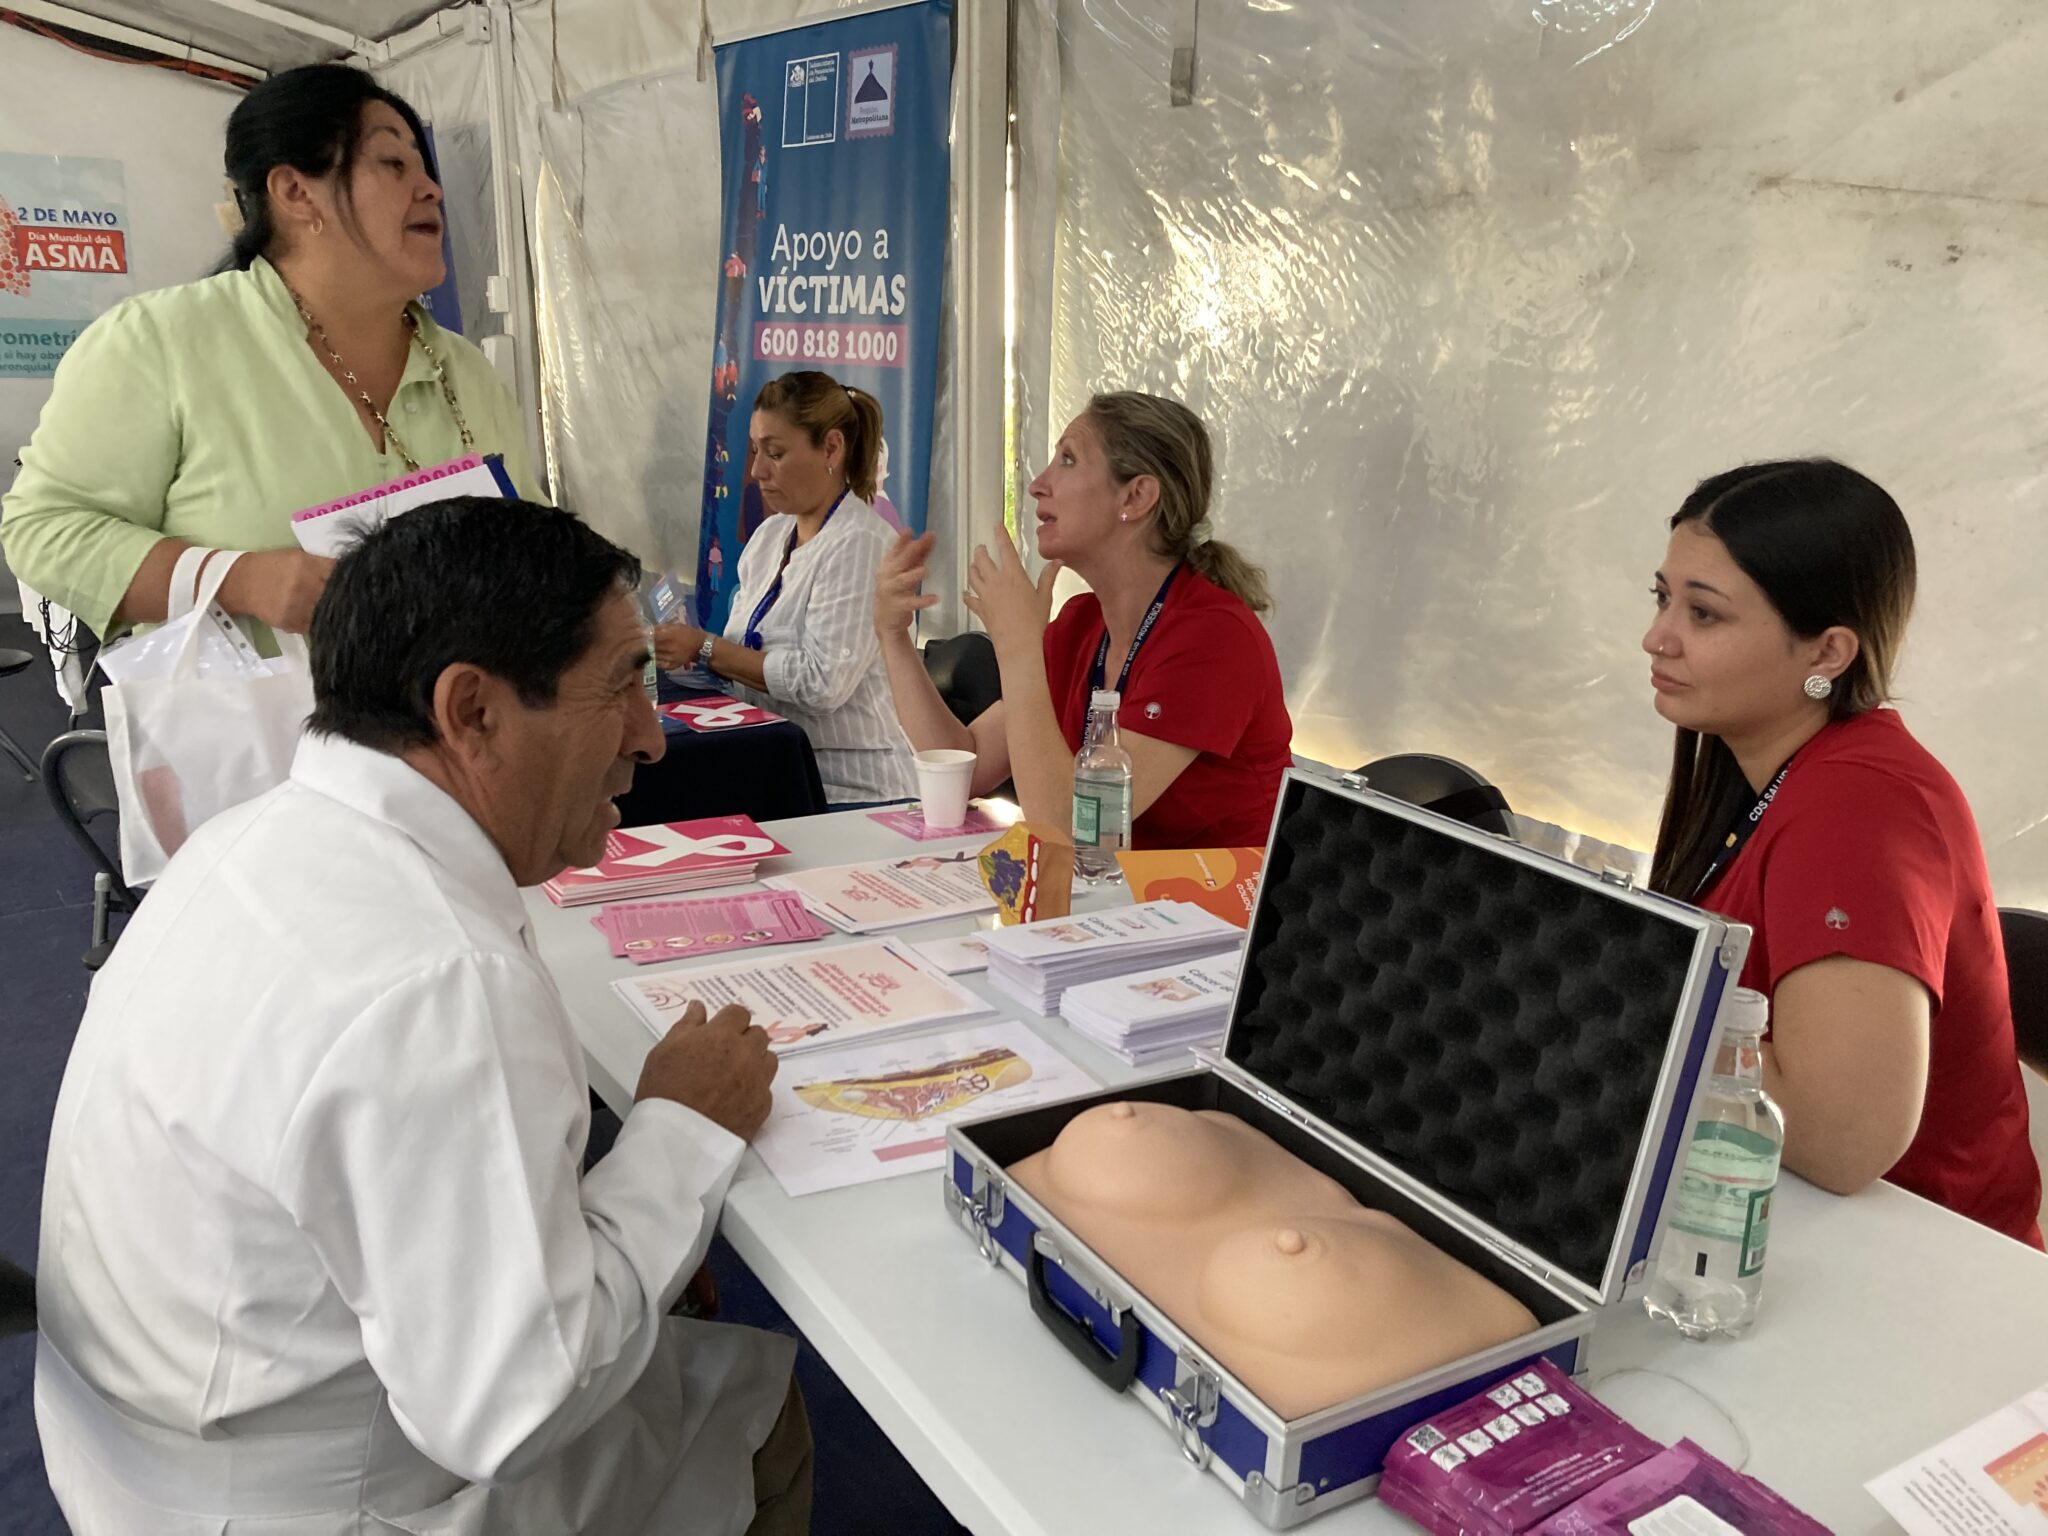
{"x": 17, "y": 1299}
{"x": 78, "y": 775}
{"x": 1441, "y": 785}
{"x": 2026, "y": 970}
{"x": 964, "y": 671}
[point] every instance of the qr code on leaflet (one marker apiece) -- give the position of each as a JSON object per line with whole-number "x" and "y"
{"x": 1425, "y": 1439}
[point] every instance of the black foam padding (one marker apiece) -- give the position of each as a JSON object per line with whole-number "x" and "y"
{"x": 1490, "y": 1026}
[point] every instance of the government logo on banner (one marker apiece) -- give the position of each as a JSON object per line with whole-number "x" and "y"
{"x": 871, "y": 109}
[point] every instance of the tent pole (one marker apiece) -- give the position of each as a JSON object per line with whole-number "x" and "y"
{"x": 510, "y": 291}
{"x": 276, "y": 16}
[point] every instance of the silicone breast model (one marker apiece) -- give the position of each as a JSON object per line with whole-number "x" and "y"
{"x": 1303, "y": 1294}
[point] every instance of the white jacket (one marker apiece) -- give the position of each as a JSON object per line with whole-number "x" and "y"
{"x": 317, "y": 1256}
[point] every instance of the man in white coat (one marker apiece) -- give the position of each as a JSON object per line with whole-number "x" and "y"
{"x": 318, "y": 1254}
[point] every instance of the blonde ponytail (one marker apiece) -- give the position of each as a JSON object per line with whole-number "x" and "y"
{"x": 1229, "y": 569}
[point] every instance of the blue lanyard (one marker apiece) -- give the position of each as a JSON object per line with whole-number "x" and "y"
{"x": 753, "y": 640}
{"x": 1101, "y": 668}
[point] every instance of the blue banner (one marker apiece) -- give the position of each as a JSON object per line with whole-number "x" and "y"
{"x": 443, "y": 303}
{"x": 834, "y": 147}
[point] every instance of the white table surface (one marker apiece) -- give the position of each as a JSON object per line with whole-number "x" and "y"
{"x": 1887, "y": 1325}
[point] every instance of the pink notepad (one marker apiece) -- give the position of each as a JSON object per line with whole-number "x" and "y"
{"x": 911, "y": 824}
{"x": 649, "y": 931}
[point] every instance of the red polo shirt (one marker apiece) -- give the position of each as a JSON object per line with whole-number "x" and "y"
{"x": 1206, "y": 677}
{"x": 1870, "y": 851}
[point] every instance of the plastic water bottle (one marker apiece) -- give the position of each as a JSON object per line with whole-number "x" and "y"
{"x": 1102, "y": 794}
{"x": 1710, "y": 1271}
{"x": 650, "y": 675}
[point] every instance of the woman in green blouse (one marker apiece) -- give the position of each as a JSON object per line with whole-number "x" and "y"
{"x": 205, "y": 416}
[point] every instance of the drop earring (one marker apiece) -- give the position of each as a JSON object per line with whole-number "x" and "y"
{"x": 1818, "y": 687}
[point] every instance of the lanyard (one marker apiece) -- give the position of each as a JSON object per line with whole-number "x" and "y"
{"x": 1101, "y": 668}
{"x": 753, "y": 640}
{"x": 1740, "y": 834}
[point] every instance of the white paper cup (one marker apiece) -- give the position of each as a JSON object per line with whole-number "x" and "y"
{"x": 943, "y": 780}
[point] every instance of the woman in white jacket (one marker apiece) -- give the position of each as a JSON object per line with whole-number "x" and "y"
{"x": 799, "y": 637}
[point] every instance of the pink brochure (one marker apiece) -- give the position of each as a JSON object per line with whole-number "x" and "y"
{"x": 331, "y": 527}
{"x": 649, "y": 931}
{"x": 911, "y": 824}
{"x": 717, "y": 714}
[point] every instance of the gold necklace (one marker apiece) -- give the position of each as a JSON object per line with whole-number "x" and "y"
{"x": 392, "y": 440}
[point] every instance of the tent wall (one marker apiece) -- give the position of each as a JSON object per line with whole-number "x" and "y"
{"x": 1474, "y": 291}
{"x": 166, "y": 130}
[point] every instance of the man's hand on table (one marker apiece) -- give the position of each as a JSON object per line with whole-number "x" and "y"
{"x": 719, "y": 1066}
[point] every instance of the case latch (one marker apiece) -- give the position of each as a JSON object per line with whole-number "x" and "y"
{"x": 1277, "y": 1508}
{"x": 1622, "y": 875}
{"x": 982, "y": 1211}
{"x": 1191, "y": 1401}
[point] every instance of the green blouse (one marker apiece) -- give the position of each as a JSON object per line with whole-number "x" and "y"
{"x": 200, "y": 413}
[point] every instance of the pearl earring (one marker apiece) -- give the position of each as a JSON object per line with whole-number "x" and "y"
{"x": 1818, "y": 687}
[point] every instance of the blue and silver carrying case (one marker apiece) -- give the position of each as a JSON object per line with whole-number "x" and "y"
{"x": 1497, "y": 1047}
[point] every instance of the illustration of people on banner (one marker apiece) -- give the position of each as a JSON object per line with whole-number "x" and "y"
{"x": 835, "y": 173}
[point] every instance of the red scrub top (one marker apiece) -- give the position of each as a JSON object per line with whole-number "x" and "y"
{"x": 1206, "y": 677}
{"x": 1869, "y": 850}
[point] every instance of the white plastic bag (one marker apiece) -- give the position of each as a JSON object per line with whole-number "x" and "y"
{"x": 188, "y": 740}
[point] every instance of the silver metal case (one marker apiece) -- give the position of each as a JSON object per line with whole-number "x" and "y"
{"x": 1500, "y": 1049}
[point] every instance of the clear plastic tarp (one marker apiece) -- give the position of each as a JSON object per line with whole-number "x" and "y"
{"x": 1472, "y": 291}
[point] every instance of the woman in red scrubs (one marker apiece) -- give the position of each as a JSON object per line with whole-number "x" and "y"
{"x": 1800, "y": 805}
{"x": 1171, "y": 622}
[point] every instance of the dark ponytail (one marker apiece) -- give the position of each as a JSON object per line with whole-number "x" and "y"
{"x": 309, "y": 119}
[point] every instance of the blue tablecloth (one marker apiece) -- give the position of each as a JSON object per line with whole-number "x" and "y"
{"x": 764, "y": 771}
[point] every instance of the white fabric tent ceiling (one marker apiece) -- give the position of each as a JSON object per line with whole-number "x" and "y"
{"x": 249, "y": 39}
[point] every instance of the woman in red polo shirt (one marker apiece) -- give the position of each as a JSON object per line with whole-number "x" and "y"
{"x": 1801, "y": 806}
{"x": 1171, "y": 623}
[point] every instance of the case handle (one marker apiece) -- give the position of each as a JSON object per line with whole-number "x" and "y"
{"x": 1117, "y": 1371}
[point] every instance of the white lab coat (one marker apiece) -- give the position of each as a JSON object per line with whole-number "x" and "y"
{"x": 316, "y": 1253}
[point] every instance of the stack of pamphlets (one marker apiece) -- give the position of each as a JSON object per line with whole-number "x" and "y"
{"x": 1036, "y": 962}
{"x": 1156, "y": 1013}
